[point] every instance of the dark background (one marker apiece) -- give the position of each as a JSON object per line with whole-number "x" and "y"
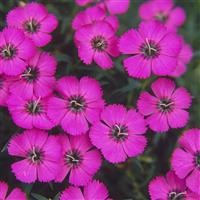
{"x": 128, "y": 180}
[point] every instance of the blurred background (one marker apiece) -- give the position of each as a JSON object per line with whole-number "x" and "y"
{"x": 124, "y": 181}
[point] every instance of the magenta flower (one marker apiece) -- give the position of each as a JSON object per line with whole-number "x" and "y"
{"x": 29, "y": 113}
{"x": 36, "y": 22}
{"x": 164, "y": 12}
{"x": 79, "y": 103}
{"x": 4, "y": 89}
{"x": 97, "y": 42}
{"x": 186, "y": 159}
{"x": 15, "y": 194}
{"x": 166, "y": 108}
{"x": 93, "y": 14}
{"x": 95, "y": 190}
{"x": 193, "y": 196}
{"x": 114, "y": 7}
{"x": 79, "y": 159}
{"x": 15, "y": 50}
{"x": 121, "y": 131}
{"x": 83, "y": 2}
{"x": 38, "y": 77}
{"x": 152, "y": 48}
{"x": 167, "y": 188}
{"x": 40, "y": 156}
{"x": 184, "y": 58}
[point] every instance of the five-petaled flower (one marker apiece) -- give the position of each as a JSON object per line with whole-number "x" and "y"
{"x": 39, "y": 153}
{"x": 79, "y": 159}
{"x": 15, "y": 51}
{"x": 35, "y": 21}
{"x": 97, "y": 42}
{"x": 166, "y": 107}
{"x": 153, "y": 49}
{"x": 186, "y": 159}
{"x": 78, "y": 104}
{"x": 119, "y": 133}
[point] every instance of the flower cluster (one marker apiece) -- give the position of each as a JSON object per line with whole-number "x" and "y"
{"x": 91, "y": 129}
{"x": 182, "y": 182}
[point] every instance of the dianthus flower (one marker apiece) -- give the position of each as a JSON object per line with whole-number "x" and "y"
{"x": 79, "y": 103}
{"x": 30, "y": 112}
{"x": 15, "y": 194}
{"x": 38, "y": 77}
{"x": 168, "y": 188}
{"x": 186, "y": 159}
{"x": 166, "y": 108}
{"x": 93, "y": 14}
{"x": 193, "y": 196}
{"x": 119, "y": 133}
{"x": 152, "y": 48}
{"x": 163, "y": 11}
{"x": 114, "y": 7}
{"x": 184, "y": 58}
{"x": 35, "y": 21}
{"x": 95, "y": 190}
{"x": 97, "y": 42}
{"x": 40, "y": 156}
{"x": 79, "y": 159}
{"x": 15, "y": 50}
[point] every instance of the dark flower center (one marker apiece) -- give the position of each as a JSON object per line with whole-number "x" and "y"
{"x": 32, "y": 26}
{"x": 35, "y": 155}
{"x": 34, "y": 107}
{"x": 197, "y": 160}
{"x": 30, "y": 74}
{"x": 119, "y": 132}
{"x": 165, "y": 105}
{"x": 73, "y": 158}
{"x": 99, "y": 43}
{"x": 77, "y": 103}
{"x": 150, "y": 49}
{"x": 162, "y": 17}
{"x": 8, "y": 51}
{"x": 176, "y": 195}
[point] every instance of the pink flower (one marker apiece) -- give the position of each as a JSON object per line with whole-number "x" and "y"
{"x": 79, "y": 103}
{"x": 83, "y": 2}
{"x": 166, "y": 108}
{"x": 164, "y": 12}
{"x": 38, "y": 77}
{"x": 152, "y": 48}
{"x": 15, "y": 194}
{"x": 93, "y": 14}
{"x": 95, "y": 190}
{"x": 15, "y": 50}
{"x": 4, "y": 89}
{"x": 97, "y": 42}
{"x": 117, "y": 7}
{"x": 113, "y": 6}
{"x": 186, "y": 159}
{"x": 40, "y": 156}
{"x": 184, "y": 58}
{"x": 167, "y": 188}
{"x": 79, "y": 159}
{"x": 193, "y": 196}
{"x": 36, "y": 22}
{"x": 29, "y": 113}
{"x": 119, "y": 133}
